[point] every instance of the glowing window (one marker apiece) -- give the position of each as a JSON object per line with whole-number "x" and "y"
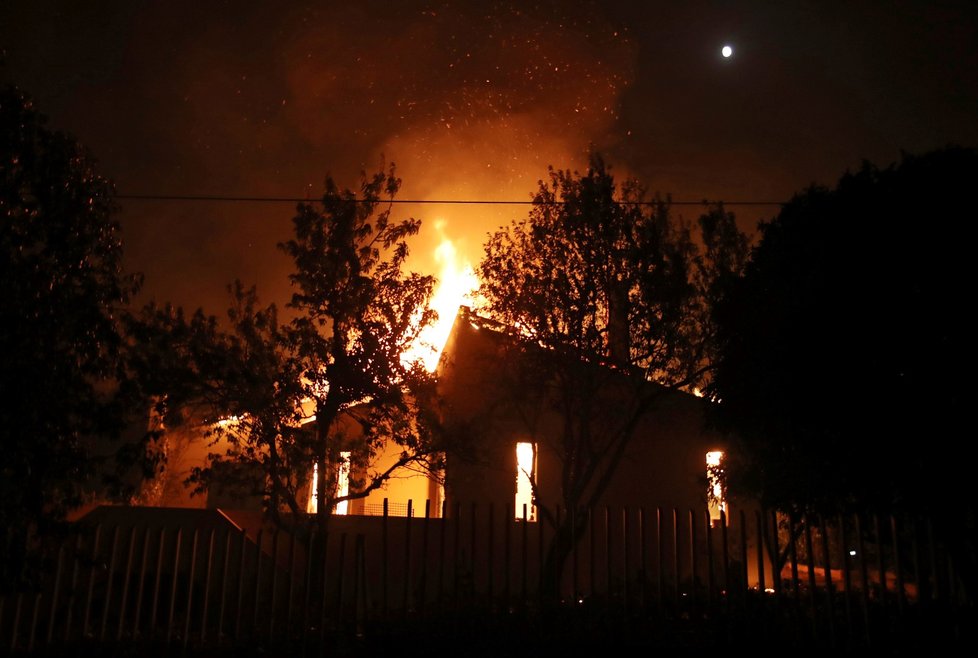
{"x": 342, "y": 487}
{"x": 716, "y": 500}
{"x": 526, "y": 475}
{"x": 312, "y": 505}
{"x": 343, "y": 484}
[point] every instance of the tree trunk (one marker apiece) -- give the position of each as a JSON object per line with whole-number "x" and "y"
{"x": 566, "y": 536}
{"x": 619, "y": 344}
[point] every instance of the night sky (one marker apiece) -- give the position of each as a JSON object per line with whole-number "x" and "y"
{"x": 472, "y": 100}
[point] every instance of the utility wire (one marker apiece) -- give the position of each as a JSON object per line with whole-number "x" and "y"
{"x": 472, "y": 202}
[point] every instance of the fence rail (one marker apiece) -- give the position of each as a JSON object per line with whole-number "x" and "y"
{"x": 846, "y": 582}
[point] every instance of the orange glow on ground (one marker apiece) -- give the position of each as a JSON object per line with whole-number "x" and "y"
{"x": 456, "y": 282}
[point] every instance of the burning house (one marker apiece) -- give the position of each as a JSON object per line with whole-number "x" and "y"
{"x": 520, "y": 439}
{"x": 534, "y": 423}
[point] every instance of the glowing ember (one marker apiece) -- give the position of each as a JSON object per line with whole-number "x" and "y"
{"x": 456, "y": 282}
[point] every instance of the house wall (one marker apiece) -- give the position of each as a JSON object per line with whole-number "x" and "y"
{"x": 664, "y": 463}
{"x": 405, "y": 485}
{"x": 662, "y": 471}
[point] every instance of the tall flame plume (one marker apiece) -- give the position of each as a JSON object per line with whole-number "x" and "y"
{"x": 456, "y": 285}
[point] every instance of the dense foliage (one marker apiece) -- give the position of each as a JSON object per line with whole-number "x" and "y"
{"x": 617, "y": 293}
{"x": 62, "y": 290}
{"x": 846, "y": 351}
{"x": 846, "y": 348}
{"x": 329, "y": 389}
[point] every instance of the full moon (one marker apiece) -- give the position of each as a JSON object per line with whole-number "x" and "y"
{"x": 726, "y": 51}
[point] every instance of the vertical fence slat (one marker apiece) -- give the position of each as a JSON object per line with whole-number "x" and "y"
{"x": 15, "y": 626}
{"x": 507, "y": 558}
{"x": 692, "y": 563}
{"x": 525, "y": 530}
{"x": 880, "y": 562}
{"x": 36, "y": 609}
{"x": 829, "y": 590}
{"x": 273, "y": 563}
{"x": 225, "y": 567}
{"x": 723, "y": 578}
{"x": 643, "y": 560}
{"x": 762, "y": 603}
{"x": 359, "y": 584}
{"x": 932, "y": 551}
{"x": 188, "y": 613}
{"x": 91, "y": 581}
{"x": 915, "y": 558}
{"x": 75, "y": 573}
{"x": 307, "y": 592}
{"x": 775, "y": 558}
{"x": 142, "y": 579}
{"x": 256, "y": 600}
{"x": 810, "y": 561}
{"x": 607, "y": 553}
{"x": 592, "y": 542}
{"x": 384, "y": 560}
{"x": 289, "y": 590}
{"x": 340, "y": 577}
{"x": 358, "y": 578}
{"x": 107, "y": 603}
{"x": 243, "y": 545}
{"x": 658, "y": 559}
{"x": 675, "y": 556}
{"x": 224, "y": 584}
{"x": 846, "y": 571}
{"x": 324, "y": 601}
{"x": 205, "y": 608}
{"x": 125, "y": 583}
{"x": 473, "y": 528}
{"x": 173, "y": 586}
{"x": 443, "y": 529}
{"x": 744, "y": 575}
{"x": 52, "y": 613}
{"x": 575, "y": 585}
{"x": 624, "y": 560}
{"x": 759, "y": 521}
{"x": 490, "y": 557}
{"x": 423, "y": 584}
{"x": 900, "y": 592}
{"x": 405, "y": 601}
{"x": 710, "y": 575}
{"x": 457, "y": 527}
{"x": 793, "y": 553}
{"x": 864, "y": 577}
{"x": 151, "y": 629}
{"x": 952, "y": 590}
{"x": 540, "y": 553}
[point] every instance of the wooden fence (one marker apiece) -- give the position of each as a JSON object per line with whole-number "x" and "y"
{"x": 669, "y": 576}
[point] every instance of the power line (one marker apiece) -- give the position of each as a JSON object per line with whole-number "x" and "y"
{"x": 457, "y": 202}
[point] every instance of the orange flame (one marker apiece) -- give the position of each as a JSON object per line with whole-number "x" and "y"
{"x": 456, "y": 285}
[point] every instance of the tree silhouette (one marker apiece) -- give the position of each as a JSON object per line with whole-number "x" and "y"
{"x": 846, "y": 354}
{"x": 358, "y": 313}
{"x": 617, "y": 293}
{"x": 62, "y": 294}
{"x": 329, "y": 388}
